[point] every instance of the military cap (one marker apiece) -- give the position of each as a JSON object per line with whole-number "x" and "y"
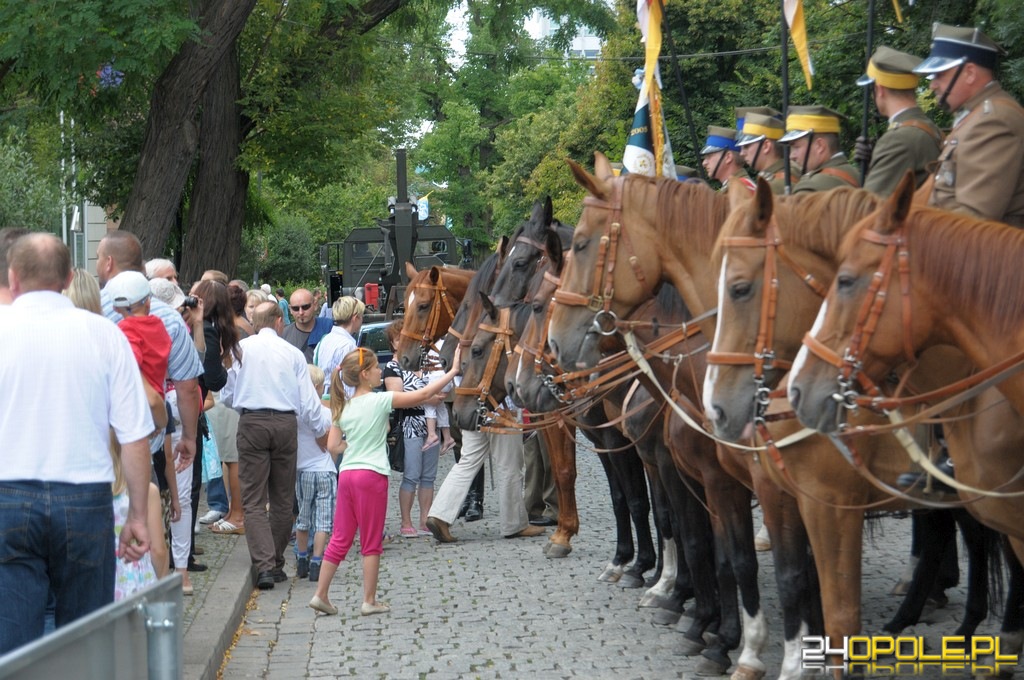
{"x": 956, "y": 45}
{"x": 743, "y": 111}
{"x": 803, "y": 120}
{"x": 719, "y": 139}
{"x": 891, "y": 68}
{"x": 757, "y": 127}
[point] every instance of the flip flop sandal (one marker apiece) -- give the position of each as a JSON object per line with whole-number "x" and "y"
{"x": 225, "y": 527}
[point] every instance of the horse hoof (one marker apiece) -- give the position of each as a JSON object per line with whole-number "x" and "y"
{"x": 546, "y": 548}
{"x": 653, "y": 599}
{"x": 665, "y": 617}
{"x": 611, "y": 574}
{"x": 746, "y": 673}
{"x": 713, "y": 663}
{"x": 691, "y": 647}
{"x": 557, "y": 550}
{"x": 631, "y": 580}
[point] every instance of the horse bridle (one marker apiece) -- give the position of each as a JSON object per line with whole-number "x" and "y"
{"x": 440, "y": 304}
{"x": 764, "y": 357}
{"x": 851, "y": 364}
{"x": 502, "y": 344}
{"x": 603, "y": 288}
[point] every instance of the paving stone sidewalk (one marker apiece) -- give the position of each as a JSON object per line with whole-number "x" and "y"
{"x": 488, "y": 607}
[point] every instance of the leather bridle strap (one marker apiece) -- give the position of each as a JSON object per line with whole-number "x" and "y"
{"x": 433, "y": 324}
{"x": 502, "y": 344}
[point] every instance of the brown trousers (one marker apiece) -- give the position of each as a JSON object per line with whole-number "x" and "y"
{"x": 267, "y": 448}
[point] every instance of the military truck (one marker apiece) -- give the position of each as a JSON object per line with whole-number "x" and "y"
{"x": 370, "y": 262}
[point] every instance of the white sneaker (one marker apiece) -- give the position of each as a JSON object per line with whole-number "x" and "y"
{"x": 211, "y": 517}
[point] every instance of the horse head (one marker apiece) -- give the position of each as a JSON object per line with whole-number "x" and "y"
{"x": 855, "y": 330}
{"x": 615, "y": 264}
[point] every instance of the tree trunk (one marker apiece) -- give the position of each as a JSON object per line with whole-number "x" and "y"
{"x": 171, "y": 138}
{"x": 217, "y": 209}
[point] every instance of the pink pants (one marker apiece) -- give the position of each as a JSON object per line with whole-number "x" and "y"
{"x": 362, "y": 504}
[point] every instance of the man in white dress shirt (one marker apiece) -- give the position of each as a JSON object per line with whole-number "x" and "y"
{"x": 270, "y": 386}
{"x": 69, "y": 378}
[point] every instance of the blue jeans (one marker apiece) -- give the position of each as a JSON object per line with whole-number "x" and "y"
{"x": 216, "y": 495}
{"x": 53, "y": 537}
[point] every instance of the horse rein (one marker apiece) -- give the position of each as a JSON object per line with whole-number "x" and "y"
{"x": 501, "y": 345}
{"x": 431, "y": 328}
{"x": 603, "y": 285}
{"x": 764, "y": 357}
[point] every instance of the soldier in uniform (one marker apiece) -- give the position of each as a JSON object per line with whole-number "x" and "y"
{"x": 759, "y": 146}
{"x": 721, "y": 157}
{"x": 912, "y": 141}
{"x": 812, "y": 133}
{"x": 980, "y": 167}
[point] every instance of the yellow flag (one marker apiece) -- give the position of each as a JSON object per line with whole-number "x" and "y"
{"x": 798, "y": 29}
{"x": 899, "y": 14}
{"x": 649, "y": 17}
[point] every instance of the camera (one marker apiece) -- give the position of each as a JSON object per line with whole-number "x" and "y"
{"x": 190, "y": 301}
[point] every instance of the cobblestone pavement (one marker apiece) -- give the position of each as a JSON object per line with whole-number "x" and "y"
{"x": 489, "y": 607}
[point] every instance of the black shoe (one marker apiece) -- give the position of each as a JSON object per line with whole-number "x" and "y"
{"x": 475, "y": 511}
{"x": 464, "y": 508}
{"x": 314, "y": 572}
{"x": 277, "y": 573}
{"x": 543, "y": 521}
{"x": 265, "y": 580}
{"x": 302, "y": 567}
{"x": 195, "y": 566}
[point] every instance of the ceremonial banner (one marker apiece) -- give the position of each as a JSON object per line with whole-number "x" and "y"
{"x": 798, "y": 29}
{"x": 648, "y": 151}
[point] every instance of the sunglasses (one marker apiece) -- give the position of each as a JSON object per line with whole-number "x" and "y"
{"x": 296, "y": 308}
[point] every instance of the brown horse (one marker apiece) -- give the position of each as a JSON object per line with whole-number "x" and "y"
{"x": 431, "y": 299}
{"x": 959, "y": 286}
{"x": 777, "y": 259}
{"x": 634, "y": 233}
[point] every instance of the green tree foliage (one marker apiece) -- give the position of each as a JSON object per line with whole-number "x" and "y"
{"x": 28, "y": 198}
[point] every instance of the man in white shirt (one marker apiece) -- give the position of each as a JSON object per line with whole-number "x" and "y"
{"x": 270, "y": 386}
{"x": 69, "y": 378}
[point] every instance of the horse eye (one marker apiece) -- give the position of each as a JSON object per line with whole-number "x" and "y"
{"x": 740, "y": 291}
{"x": 580, "y": 245}
{"x": 538, "y": 307}
{"x": 423, "y": 306}
{"x": 520, "y": 264}
{"x": 476, "y": 352}
{"x": 845, "y": 281}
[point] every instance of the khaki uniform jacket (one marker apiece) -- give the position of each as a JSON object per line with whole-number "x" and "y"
{"x": 775, "y": 175}
{"x": 840, "y": 174}
{"x": 981, "y": 164}
{"x": 739, "y": 177}
{"x": 906, "y": 146}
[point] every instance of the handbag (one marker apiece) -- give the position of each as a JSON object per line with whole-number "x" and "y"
{"x": 396, "y": 443}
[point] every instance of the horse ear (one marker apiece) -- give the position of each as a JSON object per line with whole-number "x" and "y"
{"x": 435, "y": 274}
{"x": 537, "y": 213}
{"x": 410, "y": 270}
{"x": 896, "y": 208}
{"x": 764, "y": 202}
{"x": 489, "y": 307}
{"x": 592, "y": 184}
{"x": 549, "y": 212}
{"x": 554, "y": 250}
{"x": 502, "y": 247}
{"x": 602, "y": 166}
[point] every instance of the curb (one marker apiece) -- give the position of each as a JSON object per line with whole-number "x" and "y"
{"x": 213, "y": 630}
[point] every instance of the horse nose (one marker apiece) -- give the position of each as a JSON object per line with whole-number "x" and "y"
{"x": 715, "y": 414}
{"x": 794, "y": 396}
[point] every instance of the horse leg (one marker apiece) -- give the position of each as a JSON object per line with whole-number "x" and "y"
{"x": 623, "y": 532}
{"x": 982, "y": 560}
{"x": 937, "y": 531}
{"x": 666, "y": 577}
{"x": 633, "y": 481}
{"x": 835, "y": 536}
{"x": 693, "y": 526}
{"x": 795, "y": 578}
{"x": 561, "y": 445}
{"x": 737, "y": 566}
{"x": 1011, "y": 633}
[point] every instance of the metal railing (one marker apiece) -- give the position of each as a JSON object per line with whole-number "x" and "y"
{"x": 139, "y": 637}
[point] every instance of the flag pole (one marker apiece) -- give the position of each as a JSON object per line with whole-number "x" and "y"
{"x": 678, "y": 73}
{"x": 866, "y": 118}
{"x": 785, "y": 89}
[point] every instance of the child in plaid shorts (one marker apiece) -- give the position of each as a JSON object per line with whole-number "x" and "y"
{"x": 316, "y": 485}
